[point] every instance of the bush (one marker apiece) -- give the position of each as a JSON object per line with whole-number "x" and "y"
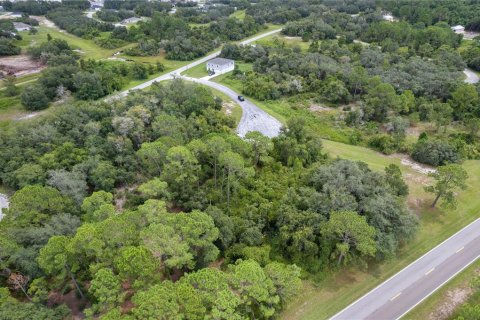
{"x": 7, "y": 48}
{"x": 383, "y": 143}
{"x": 33, "y": 97}
{"x": 435, "y": 152}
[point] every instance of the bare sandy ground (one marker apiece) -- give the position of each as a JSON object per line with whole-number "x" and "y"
{"x": 20, "y": 65}
{"x": 3, "y": 203}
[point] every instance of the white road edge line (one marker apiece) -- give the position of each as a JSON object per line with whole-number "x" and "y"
{"x": 441, "y": 285}
{"x": 429, "y": 271}
{"x": 383, "y": 283}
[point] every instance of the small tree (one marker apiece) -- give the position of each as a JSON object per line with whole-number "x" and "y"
{"x": 447, "y": 179}
{"x": 33, "y": 97}
{"x": 350, "y": 232}
{"x": 10, "y": 87}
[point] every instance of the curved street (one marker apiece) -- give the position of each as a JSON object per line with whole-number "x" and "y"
{"x": 253, "y": 118}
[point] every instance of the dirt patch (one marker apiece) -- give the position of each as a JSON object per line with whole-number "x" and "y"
{"x": 28, "y": 116}
{"x": 20, "y": 65}
{"x": 228, "y": 107}
{"x": 453, "y": 299}
{"x": 121, "y": 196}
{"x": 44, "y": 21}
{"x": 409, "y": 162}
{"x": 75, "y": 304}
{"x": 319, "y": 108}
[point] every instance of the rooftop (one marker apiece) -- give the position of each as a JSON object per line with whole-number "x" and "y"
{"x": 221, "y": 61}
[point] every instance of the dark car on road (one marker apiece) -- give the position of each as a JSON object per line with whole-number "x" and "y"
{"x": 241, "y": 98}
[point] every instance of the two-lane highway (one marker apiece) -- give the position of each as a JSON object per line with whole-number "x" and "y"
{"x": 398, "y": 295}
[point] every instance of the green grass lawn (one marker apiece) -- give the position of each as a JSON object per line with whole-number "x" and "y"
{"x": 322, "y": 300}
{"x": 280, "y": 39}
{"x": 284, "y": 108}
{"x": 239, "y": 14}
{"x": 428, "y": 306}
{"x": 199, "y": 71}
{"x": 11, "y": 107}
{"x": 89, "y": 48}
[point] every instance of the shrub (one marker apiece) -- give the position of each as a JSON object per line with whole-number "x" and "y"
{"x": 383, "y": 143}
{"x": 33, "y": 97}
{"x": 435, "y": 152}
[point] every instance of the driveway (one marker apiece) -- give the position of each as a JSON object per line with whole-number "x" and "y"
{"x": 472, "y": 77}
{"x": 253, "y": 118}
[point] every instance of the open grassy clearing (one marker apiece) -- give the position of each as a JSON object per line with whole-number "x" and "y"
{"x": 280, "y": 39}
{"x": 11, "y": 107}
{"x": 230, "y": 107}
{"x": 323, "y": 124}
{"x": 443, "y": 297}
{"x": 88, "y": 47}
{"x": 322, "y": 299}
{"x": 199, "y": 71}
{"x": 239, "y": 14}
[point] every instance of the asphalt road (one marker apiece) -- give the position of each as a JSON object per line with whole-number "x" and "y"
{"x": 402, "y": 292}
{"x": 253, "y": 118}
{"x": 177, "y": 72}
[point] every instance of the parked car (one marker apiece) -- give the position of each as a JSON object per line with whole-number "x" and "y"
{"x": 241, "y": 98}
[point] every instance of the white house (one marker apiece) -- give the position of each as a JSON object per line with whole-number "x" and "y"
{"x": 20, "y": 26}
{"x": 458, "y": 29}
{"x": 220, "y": 65}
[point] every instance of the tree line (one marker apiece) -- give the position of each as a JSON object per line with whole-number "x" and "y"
{"x": 161, "y": 180}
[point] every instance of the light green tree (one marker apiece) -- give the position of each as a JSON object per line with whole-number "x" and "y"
{"x": 448, "y": 178}
{"x": 351, "y": 234}
{"x": 152, "y": 156}
{"x": 106, "y": 288}
{"x": 261, "y": 146}
{"x": 56, "y": 260}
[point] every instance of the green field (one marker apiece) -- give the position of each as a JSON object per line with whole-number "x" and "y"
{"x": 284, "y": 108}
{"x": 88, "y": 47}
{"x": 239, "y": 14}
{"x": 280, "y": 39}
{"x": 321, "y": 300}
{"x": 199, "y": 71}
